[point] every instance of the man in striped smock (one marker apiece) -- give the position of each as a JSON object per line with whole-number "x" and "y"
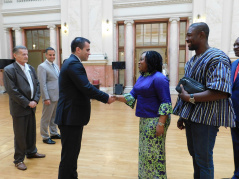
{"x": 203, "y": 113}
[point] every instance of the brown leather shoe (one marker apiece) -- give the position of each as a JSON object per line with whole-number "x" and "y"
{"x": 21, "y": 166}
{"x": 36, "y": 155}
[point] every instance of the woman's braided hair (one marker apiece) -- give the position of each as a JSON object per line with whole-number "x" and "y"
{"x": 153, "y": 60}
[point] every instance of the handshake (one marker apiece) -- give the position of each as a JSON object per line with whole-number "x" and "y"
{"x": 112, "y": 98}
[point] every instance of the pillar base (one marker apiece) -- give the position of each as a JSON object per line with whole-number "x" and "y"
{"x": 2, "y": 89}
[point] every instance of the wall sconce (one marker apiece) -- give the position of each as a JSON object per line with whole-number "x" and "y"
{"x": 105, "y": 56}
{"x": 34, "y": 46}
{"x": 199, "y": 18}
{"x": 107, "y": 25}
{"x": 65, "y": 28}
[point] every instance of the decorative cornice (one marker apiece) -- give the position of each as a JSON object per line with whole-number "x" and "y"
{"x": 6, "y": 29}
{"x": 174, "y": 19}
{"x": 143, "y": 3}
{"x": 52, "y": 26}
{"x": 130, "y": 22}
{"x": 32, "y": 24}
{"x": 16, "y": 28}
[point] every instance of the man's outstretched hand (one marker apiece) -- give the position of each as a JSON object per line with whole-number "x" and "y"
{"x": 111, "y": 99}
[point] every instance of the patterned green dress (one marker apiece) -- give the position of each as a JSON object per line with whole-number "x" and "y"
{"x": 152, "y": 159}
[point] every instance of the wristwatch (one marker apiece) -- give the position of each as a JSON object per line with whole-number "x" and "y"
{"x": 191, "y": 99}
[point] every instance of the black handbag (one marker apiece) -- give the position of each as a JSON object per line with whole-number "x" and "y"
{"x": 190, "y": 85}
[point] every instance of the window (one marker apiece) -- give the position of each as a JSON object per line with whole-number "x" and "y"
{"x": 182, "y": 48}
{"x": 37, "y": 40}
{"x": 154, "y": 34}
{"x": 151, "y": 36}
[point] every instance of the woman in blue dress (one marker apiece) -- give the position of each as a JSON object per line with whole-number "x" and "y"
{"x": 154, "y": 108}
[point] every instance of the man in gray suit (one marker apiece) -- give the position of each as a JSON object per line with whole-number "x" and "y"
{"x": 22, "y": 86}
{"x": 48, "y": 74}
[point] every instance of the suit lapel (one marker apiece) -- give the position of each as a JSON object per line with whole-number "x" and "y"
{"x": 19, "y": 71}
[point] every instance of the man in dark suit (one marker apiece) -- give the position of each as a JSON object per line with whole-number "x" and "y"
{"x": 22, "y": 86}
{"x": 74, "y": 106}
{"x": 235, "y": 101}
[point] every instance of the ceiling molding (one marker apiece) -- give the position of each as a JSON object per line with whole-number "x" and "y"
{"x": 142, "y": 3}
{"x": 32, "y": 24}
{"x": 152, "y": 16}
{"x": 31, "y": 11}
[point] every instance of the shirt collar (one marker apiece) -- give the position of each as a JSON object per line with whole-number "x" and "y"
{"x": 26, "y": 67}
{"x": 49, "y": 62}
{"x": 77, "y": 57}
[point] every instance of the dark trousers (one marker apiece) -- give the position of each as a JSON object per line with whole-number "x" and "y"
{"x": 71, "y": 143}
{"x": 201, "y": 140}
{"x": 24, "y": 136}
{"x": 235, "y": 142}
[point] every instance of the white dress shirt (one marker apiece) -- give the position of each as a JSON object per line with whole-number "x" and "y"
{"x": 27, "y": 70}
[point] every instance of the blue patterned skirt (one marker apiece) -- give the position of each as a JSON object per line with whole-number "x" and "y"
{"x": 152, "y": 159}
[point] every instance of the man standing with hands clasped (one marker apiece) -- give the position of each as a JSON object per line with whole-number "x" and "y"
{"x": 48, "y": 74}
{"x": 74, "y": 106}
{"x": 203, "y": 113}
{"x": 22, "y": 86}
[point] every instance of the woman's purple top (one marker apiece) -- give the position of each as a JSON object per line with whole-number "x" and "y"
{"x": 152, "y": 94}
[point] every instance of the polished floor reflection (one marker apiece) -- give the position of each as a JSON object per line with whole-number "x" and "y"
{"x": 109, "y": 147}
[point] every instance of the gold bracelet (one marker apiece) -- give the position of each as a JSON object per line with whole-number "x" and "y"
{"x": 160, "y": 124}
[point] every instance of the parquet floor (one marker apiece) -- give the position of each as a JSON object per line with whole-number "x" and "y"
{"x": 109, "y": 147}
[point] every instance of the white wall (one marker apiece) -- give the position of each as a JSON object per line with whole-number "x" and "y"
{"x": 153, "y": 12}
{"x": 1, "y": 33}
{"x": 26, "y": 14}
{"x": 235, "y": 28}
{"x": 89, "y": 20}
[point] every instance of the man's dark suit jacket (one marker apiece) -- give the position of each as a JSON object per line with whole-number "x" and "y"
{"x": 235, "y": 89}
{"x": 75, "y": 92}
{"x": 18, "y": 88}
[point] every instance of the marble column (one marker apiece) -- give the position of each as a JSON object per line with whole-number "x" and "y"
{"x": 173, "y": 53}
{"x": 53, "y": 40}
{"x": 129, "y": 60}
{"x": 7, "y": 45}
{"x": 115, "y": 52}
{"x": 226, "y": 26}
{"x": 5, "y": 53}
{"x": 18, "y": 35}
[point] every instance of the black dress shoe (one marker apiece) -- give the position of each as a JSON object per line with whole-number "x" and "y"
{"x": 58, "y": 136}
{"x": 49, "y": 141}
